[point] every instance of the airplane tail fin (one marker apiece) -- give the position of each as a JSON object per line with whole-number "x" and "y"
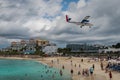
{"x": 67, "y": 18}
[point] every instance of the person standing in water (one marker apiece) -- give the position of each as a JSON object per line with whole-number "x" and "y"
{"x": 61, "y": 73}
{"x": 63, "y": 67}
{"x": 71, "y": 71}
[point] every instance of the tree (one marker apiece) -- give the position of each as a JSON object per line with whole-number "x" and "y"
{"x": 64, "y": 50}
{"x": 39, "y": 50}
{"x": 117, "y": 45}
{"x": 59, "y": 50}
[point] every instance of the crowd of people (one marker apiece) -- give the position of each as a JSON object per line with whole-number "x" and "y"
{"x": 115, "y": 66}
{"x": 86, "y": 72}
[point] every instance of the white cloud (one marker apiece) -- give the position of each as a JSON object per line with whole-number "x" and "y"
{"x": 81, "y": 4}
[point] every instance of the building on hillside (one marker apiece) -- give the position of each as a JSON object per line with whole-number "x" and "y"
{"x": 23, "y": 42}
{"x": 28, "y": 46}
{"x": 32, "y": 42}
{"x": 16, "y": 46}
{"x": 42, "y": 42}
{"x": 83, "y": 48}
{"x": 23, "y": 46}
{"x": 50, "y": 49}
{"x": 109, "y": 50}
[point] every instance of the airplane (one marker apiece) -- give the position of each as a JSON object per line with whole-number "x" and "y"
{"x": 84, "y": 22}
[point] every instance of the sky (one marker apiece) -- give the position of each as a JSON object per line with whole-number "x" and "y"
{"x": 45, "y": 19}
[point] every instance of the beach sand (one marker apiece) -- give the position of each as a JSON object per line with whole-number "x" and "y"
{"x": 59, "y": 62}
{"x": 66, "y": 61}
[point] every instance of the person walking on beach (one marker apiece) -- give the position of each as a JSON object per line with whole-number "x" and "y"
{"x": 78, "y": 72}
{"x": 101, "y": 66}
{"x": 110, "y": 75}
{"x": 81, "y": 60}
{"x": 91, "y": 73}
{"x": 52, "y": 61}
{"x": 93, "y": 66}
{"x": 63, "y": 67}
{"x": 75, "y": 65}
{"x": 79, "y": 65}
{"x": 91, "y": 70}
{"x": 71, "y": 62}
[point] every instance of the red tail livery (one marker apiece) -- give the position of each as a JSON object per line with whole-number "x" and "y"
{"x": 67, "y": 18}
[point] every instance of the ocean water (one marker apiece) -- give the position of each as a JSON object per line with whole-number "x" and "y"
{"x": 29, "y": 70}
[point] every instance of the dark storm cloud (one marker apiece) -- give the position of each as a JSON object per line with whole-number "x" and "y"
{"x": 14, "y": 35}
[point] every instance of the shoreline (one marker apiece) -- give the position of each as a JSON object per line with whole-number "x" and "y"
{"x": 66, "y": 62}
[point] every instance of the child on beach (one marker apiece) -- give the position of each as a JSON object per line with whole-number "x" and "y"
{"x": 101, "y": 66}
{"x": 86, "y": 72}
{"x": 83, "y": 72}
{"x": 110, "y": 75}
{"x": 71, "y": 62}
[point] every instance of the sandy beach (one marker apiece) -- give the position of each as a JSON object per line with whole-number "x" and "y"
{"x": 86, "y": 64}
{"x": 74, "y": 63}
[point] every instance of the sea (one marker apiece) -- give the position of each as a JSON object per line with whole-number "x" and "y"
{"x": 13, "y": 69}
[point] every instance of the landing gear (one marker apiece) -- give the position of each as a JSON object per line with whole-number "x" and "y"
{"x": 81, "y": 26}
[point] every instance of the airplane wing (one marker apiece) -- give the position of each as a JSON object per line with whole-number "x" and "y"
{"x": 88, "y": 24}
{"x": 85, "y": 18}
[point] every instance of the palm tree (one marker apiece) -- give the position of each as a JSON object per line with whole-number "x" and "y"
{"x": 38, "y": 50}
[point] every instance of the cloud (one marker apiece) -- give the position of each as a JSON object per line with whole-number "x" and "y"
{"x": 24, "y": 19}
